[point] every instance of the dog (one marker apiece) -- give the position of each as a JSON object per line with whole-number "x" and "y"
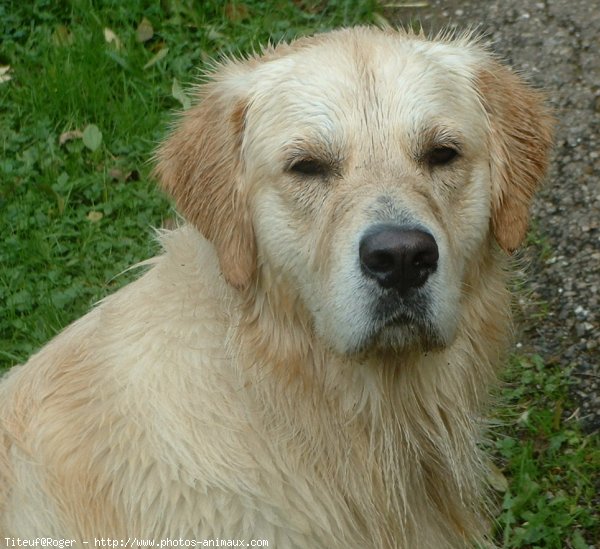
{"x": 308, "y": 360}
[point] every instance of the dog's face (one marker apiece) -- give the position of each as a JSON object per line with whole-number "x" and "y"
{"x": 364, "y": 170}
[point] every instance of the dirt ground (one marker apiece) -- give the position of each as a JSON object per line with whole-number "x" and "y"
{"x": 555, "y": 44}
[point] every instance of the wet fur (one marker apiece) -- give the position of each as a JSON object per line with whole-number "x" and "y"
{"x": 200, "y": 402}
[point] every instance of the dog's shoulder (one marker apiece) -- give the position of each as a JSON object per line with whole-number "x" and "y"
{"x": 174, "y": 315}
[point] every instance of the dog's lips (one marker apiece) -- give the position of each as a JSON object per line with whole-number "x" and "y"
{"x": 398, "y": 310}
{"x": 402, "y": 323}
{"x": 401, "y": 318}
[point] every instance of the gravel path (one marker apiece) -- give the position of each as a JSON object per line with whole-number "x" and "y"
{"x": 556, "y": 44}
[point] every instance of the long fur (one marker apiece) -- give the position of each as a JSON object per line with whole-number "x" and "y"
{"x": 200, "y": 401}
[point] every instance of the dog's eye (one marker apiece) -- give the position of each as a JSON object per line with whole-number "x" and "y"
{"x": 440, "y": 156}
{"x": 309, "y": 166}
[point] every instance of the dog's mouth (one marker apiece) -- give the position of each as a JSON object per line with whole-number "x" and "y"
{"x": 392, "y": 309}
{"x": 399, "y": 319}
{"x": 400, "y": 325}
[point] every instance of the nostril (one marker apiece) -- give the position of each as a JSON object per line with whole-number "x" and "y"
{"x": 427, "y": 258}
{"x": 397, "y": 257}
{"x": 381, "y": 261}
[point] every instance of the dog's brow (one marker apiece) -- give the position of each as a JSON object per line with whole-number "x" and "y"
{"x": 318, "y": 148}
{"x": 438, "y": 136}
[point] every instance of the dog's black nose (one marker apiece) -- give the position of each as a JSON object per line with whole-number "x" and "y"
{"x": 397, "y": 257}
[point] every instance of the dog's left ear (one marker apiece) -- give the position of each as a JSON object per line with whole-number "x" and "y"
{"x": 520, "y": 140}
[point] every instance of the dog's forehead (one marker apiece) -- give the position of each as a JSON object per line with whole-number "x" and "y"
{"x": 355, "y": 78}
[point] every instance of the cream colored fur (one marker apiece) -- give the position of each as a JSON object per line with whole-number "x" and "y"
{"x": 239, "y": 388}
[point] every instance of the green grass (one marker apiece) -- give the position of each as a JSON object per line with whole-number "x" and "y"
{"x": 549, "y": 463}
{"x": 73, "y": 216}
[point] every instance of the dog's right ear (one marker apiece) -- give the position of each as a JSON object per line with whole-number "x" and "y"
{"x": 200, "y": 166}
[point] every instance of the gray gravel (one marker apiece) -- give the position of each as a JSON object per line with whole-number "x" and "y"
{"x": 556, "y": 44}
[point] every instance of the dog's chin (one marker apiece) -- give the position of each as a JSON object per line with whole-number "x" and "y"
{"x": 402, "y": 338}
{"x": 400, "y": 335}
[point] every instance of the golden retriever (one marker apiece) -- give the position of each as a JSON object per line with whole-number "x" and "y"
{"x": 307, "y": 360}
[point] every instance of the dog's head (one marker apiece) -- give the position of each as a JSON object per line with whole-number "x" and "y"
{"x": 366, "y": 168}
